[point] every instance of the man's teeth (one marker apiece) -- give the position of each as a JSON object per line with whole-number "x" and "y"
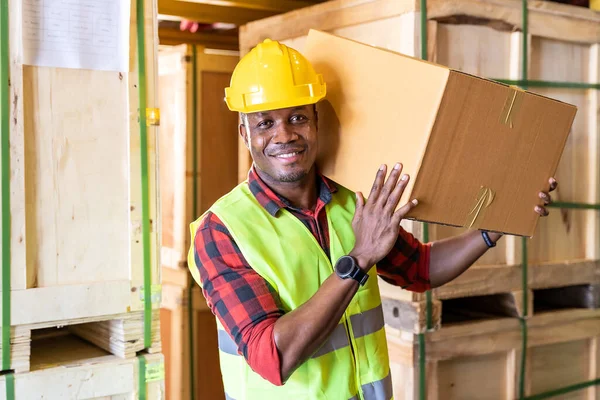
{"x": 288, "y": 155}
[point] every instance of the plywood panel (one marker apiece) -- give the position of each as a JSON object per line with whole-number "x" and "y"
{"x": 562, "y": 236}
{"x": 476, "y": 377}
{"x": 467, "y": 49}
{"x": 216, "y": 141}
{"x": 219, "y": 140}
{"x": 548, "y": 369}
{"x": 76, "y": 175}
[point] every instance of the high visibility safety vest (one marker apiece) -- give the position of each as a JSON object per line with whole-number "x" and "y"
{"x": 353, "y": 363}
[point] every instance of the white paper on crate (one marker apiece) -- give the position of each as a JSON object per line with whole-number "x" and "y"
{"x": 84, "y": 34}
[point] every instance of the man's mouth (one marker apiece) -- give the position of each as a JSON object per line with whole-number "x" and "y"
{"x": 288, "y": 154}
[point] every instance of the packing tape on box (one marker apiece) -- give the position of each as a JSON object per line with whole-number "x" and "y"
{"x": 484, "y": 198}
{"x": 155, "y": 293}
{"x": 155, "y": 372}
{"x": 512, "y": 105}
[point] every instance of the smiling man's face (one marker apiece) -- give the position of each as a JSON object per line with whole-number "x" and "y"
{"x": 283, "y": 143}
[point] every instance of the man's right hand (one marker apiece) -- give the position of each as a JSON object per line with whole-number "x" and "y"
{"x": 376, "y": 224}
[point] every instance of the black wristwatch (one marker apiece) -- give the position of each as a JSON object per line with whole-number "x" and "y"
{"x": 347, "y": 267}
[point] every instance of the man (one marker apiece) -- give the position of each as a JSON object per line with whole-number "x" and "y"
{"x": 288, "y": 260}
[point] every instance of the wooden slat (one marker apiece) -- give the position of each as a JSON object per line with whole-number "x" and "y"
{"x": 171, "y": 37}
{"x": 18, "y": 195}
{"x": 271, "y": 5}
{"x": 210, "y": 13}
{"x": 411, "y": 316}
{"x": 563, "y": 274}
{"x": 98, "y": 377}
{"x": 327, "y": 16}
{"x": 66, "y": 302}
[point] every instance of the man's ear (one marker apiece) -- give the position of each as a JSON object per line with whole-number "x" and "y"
{"x": 244, "y": 135}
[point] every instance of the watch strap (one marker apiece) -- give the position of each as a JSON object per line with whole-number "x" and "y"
{"x": 486, "y": 237}
{"x": 359, "y": 275}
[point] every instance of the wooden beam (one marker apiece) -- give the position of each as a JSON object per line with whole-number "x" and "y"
{"x": 172, "y": 37}
{"x": 547, "y": 19}
{"x": 210, "y": 13}
{"x": 270, "y": 5}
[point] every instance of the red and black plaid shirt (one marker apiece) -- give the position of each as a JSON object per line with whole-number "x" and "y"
{"x": 245, "y": 303}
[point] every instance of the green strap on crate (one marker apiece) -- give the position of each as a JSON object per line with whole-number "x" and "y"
{"x": 524, "y": 256}
{"x": 574, "y": 206}
{"x": 523, "y": 319}
{"x": 5, "y": 148}
{"x": 141, "y": 51}
{"x": 140, "y": 20}
{"x": 428, "y": 311}
{"x": 194, "y": 209}
{"x": 143, "y": 390}
{"x": 549, "y": 84}
{"x": 565, "y": 390}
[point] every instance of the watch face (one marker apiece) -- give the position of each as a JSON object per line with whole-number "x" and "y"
{"x": 344, "y": 266}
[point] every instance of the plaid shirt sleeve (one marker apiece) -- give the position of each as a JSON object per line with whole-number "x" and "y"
{"x": 407, "y": 264}
{"x": 244, "y": 302}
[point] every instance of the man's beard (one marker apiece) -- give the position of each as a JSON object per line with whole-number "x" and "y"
{"x": 292, "y": 176}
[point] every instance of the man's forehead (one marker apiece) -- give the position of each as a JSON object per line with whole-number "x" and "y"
{"x": 263, "y": 114}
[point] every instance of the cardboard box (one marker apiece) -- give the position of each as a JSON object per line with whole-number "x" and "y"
{"x": 478, "y": 152}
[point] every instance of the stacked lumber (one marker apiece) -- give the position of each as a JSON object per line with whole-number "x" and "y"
{"x": 198, "y": 147}
{"x": 77, "y": 264}
{"x": 473, "y": 330}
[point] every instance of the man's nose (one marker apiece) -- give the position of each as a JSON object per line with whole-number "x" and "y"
{"x": 284, "y": 134}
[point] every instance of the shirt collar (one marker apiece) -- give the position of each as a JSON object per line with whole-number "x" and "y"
{"x": 272, "y": 202}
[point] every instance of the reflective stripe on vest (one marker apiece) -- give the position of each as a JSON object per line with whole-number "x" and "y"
{"x": 353, "y": 362}
{"x": 362, "y": 324}
{"x": 379, "y": 390}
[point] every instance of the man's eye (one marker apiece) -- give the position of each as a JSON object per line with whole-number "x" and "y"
{"x": 265, "y": 124}
{"x": 298, "y": 118}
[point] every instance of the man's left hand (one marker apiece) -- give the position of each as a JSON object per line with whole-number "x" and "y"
{"x": 546, "y": 198}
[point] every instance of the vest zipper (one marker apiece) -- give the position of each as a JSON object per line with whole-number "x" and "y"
{"x": 347, "y": 321}
{"x": 354, "y": 357}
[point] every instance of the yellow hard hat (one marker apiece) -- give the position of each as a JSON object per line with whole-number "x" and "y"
{"x": 273, "y": 76}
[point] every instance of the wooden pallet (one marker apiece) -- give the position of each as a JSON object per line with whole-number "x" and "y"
{"x": 73, "y": 369}
{"x": 481, "y": 360}
{"x": 75, "y": 188}
{"x": 120, "y": 335}
{"x": 411, "y": 316}
{"x": 483, "y": 37}
{"x": 499, "y": 284}
{"x": 217, "y": 139}
{"x": 175, "y": 337}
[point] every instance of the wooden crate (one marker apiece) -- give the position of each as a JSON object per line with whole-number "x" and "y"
{"x": 484, "y": 37}
{"x": 482, "y": 360}
{"x": 175, "y": 323}
{"x": 84, "y": 372}
{"x": 216, "y": 139}
{"x": 75, "y": 188}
